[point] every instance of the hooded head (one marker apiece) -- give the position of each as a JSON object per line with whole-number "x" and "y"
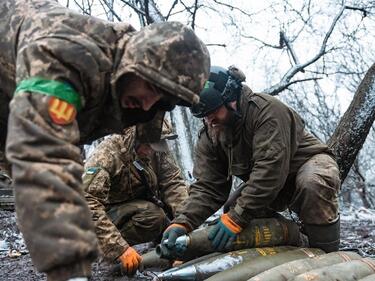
{"x": 169, "y": 56}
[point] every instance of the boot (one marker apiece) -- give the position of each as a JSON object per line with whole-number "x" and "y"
{"x": 325, "y": 236}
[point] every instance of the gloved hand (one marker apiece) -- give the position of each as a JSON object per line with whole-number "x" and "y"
{"x": 223, "y": 233}
{"x": 130, "y": 261}
{"x": 172, "y": 232}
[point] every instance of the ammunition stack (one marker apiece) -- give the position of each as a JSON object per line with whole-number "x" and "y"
{"x": 268, "y": 249}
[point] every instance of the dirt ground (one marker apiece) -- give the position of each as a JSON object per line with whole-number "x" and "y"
{"x": 357, "y": 233}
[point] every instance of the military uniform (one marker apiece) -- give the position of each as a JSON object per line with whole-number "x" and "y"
{"x": 120, "y": 196}
{"x": 67, "y": 68}
{"x": 282, "y": 164}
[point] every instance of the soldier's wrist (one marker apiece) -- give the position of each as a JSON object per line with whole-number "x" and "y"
{"x": 183, "y": 220}
{"x": 240, "y": 216}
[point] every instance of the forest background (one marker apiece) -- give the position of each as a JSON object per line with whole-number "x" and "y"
{"x": 313, "y": 55}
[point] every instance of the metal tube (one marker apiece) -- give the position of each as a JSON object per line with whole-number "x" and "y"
{"x": 203, "y": 269}
{"x": 289, "y": 270}
{"x": 346, "y": 271}
{"x": 152, "y": 260}
{"x": 247, "y": 270}
{"x": 194, "y": 261}
{"x": 265, "y": 232}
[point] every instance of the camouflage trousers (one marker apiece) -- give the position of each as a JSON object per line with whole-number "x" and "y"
{"x": 312, "y": 193}
{"x": 317, "y": 184}
{"x": 139, "y": 221}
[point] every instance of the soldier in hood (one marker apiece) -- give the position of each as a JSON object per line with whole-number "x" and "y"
{"x": 66, "y": 79}
{"x": 133, "y": 189}
{"x": 260, "y": 140}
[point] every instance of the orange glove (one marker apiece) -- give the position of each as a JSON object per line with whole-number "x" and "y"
{"x": 130, "y": 261}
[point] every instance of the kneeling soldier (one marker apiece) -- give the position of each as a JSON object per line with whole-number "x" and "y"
{"x": 262, "y": 141}
{"x": 132, "y": 190}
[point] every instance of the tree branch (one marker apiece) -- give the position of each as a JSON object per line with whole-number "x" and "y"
{"x": 285, "y": 40}
{"x": 281, "y": 87}
{"x": 110, "y": 9}
{"x": 261, "y": 41}
{"x": 194, "y": 14}
{"x": 213, "y": 44}
{"x": 137, "y": 10}
{"x": 233, "y": 8}
{"x": 170, "y": 10}
{"x": 284, "y": 83}
{"x": 154, "y": 14}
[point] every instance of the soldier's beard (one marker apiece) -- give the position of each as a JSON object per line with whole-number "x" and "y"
{"x": 219, "y": 132}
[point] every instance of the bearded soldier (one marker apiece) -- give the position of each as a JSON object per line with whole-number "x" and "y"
{"x": 263, "y": 142}
{"x": 66, "y": 79}
{"x": 133, "y": 189}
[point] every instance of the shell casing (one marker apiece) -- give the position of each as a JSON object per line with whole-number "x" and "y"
{"x": 251, "y": 268}
{"x": 265, "y": 232}
{"x": 204, "y": 267}
{"x": 291, "y": 269}
{"x": 346, "y": 271}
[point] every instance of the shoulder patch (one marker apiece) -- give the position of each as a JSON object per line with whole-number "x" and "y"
{"x": 92, "y": 170}
{"x": 61, "y": 112}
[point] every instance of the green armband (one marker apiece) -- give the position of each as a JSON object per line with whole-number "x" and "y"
{"x": 61, "y": 90}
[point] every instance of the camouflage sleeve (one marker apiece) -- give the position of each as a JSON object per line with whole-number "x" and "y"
{"x": 97, "y": 183}
{"x": 271, "y": 154}
{"x": 52, "y": 213}
{"x": 212, "y": 186}
{"x": 172, "y": 185}
{"x": 100, "y": 170}
{"x": 47, "y": 168}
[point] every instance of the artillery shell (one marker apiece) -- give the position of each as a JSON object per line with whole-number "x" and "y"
{"x": 346, "y": 271}
{"x": 255, "y": 266}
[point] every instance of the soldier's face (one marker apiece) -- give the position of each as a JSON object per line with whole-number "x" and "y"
{"x": 219, "y": 118}
{"x": 139, "y": 94}
{"x": 144, "y": 150}
{"x": 218, "y": 122}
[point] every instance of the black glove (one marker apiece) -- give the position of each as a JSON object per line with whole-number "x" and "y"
{"x": 172, "y": 232}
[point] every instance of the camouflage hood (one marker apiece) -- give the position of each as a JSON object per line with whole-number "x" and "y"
{"x": 164, "y": 53}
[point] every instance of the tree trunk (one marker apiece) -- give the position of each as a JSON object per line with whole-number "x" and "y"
{"x": 355, "y": 125}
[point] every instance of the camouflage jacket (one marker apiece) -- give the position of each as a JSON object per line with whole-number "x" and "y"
{"x": 72, "y": 53}
{"x": 111, "y": 178}
{"x": 265, "y": 148}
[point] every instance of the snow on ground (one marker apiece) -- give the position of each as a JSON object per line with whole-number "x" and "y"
{"x": 352, "y": 214}
{"x": 358, "y": 230}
